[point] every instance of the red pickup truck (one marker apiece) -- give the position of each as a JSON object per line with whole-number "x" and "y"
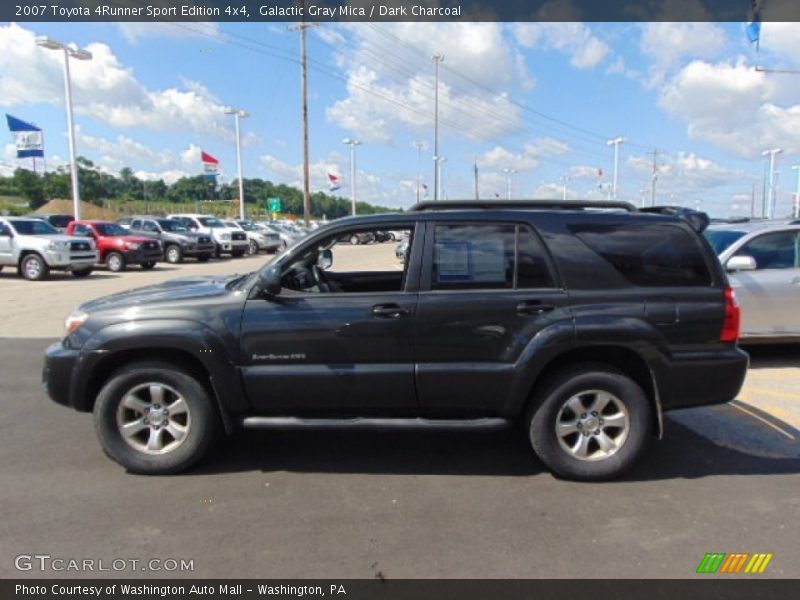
{"x": 116, "y": 248}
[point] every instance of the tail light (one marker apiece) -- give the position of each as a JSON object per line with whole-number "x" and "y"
{"x": 732, "y": 322}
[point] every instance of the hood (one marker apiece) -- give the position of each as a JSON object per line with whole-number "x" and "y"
{"x": 57, "y": 237}
{"x": 133, "y": 239}
{"x": 172, "y": 291}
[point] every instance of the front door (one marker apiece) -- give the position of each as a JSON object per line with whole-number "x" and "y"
{"x": 770, "y": 295}
{"x": 334, "y": 341}
{"x": 488, "y": 290}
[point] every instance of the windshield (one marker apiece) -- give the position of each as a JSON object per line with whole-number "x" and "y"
{"x": 721, "y": 239}
{"x": 173, "y": 226}
{"x": 211, "y": 222}
{"x": 249, "y": 226}
{"x": 110, "y": 229}
{"x": 33, "y": 227}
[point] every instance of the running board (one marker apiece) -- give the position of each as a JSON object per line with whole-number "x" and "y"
{"x": 484, "y": 424}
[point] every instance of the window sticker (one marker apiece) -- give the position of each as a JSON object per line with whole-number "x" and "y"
{"x": 488, "y": 260}
{"x": 453, "y": 261}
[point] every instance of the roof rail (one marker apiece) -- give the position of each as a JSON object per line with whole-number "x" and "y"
{"x": 531, "y": 204}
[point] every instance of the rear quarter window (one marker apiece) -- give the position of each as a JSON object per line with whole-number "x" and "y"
{"x": 648, "y": 255}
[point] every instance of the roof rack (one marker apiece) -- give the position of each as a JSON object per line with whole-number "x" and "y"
{"x": 535, "y": 204}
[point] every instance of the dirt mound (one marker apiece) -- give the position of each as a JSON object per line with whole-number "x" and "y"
{"x": 88, "y": 211}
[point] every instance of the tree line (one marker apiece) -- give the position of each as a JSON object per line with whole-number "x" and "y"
{"x": 97, "y": 187}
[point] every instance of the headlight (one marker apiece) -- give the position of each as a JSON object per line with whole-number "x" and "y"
{"x": 59, "y": 245}
{"x": 74, "y": 320}
{"x": 225, "y": 236}
{"x": 132, "y": 246}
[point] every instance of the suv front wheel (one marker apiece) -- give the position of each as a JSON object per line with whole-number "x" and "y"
{"x": 154, "y": 418}
{"x": 591, "y": 422}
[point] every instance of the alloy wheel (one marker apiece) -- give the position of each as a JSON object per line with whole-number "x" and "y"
{"x": 592, "y": 425}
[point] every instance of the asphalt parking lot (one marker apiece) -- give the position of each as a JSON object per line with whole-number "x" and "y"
{"x": 399, "y": 504}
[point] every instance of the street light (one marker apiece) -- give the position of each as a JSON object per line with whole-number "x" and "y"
{"x": 509, "y": 172}
{"x": 438, "y": 59}
{"x": 769, "y": 208}
{"x": 79, "y": 54}
{"x": 237, "y": 115}
{"x": 352, "y": 143}
{"x": 439, "y": 161}
{"x": 616, "y": 142}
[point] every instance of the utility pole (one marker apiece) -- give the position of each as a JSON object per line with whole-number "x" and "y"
{"x": 437, "y": 59}
{"x": 770, "y": 203}
{"x": 420, "y": 146}
{"x": 477, "y": 196}
{"x": 616, "y": 142}
{"x": 352, "y": 143}
{"x": 796, "y": 204}
{"x": 655, "y": 177}
{"x": 301, "y": 27}
{"x": 509, "y": 172}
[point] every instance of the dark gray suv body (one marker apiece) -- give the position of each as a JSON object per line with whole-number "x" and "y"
{"x": 177, "y": 240}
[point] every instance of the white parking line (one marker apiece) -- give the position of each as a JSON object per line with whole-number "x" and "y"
{"x": 738, "y": 405}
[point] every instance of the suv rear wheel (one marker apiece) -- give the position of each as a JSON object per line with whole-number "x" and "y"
{"x": 591, "y": 423}
{"x": 154, "y": 418}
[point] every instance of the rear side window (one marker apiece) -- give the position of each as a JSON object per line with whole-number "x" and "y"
{"x": 779, "y": 250}
{"x": 150, "y": 226}
{"x": 648, "y": 255}
{"x": 488, "y": 257}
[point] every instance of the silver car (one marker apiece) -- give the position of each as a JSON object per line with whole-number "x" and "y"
{"x": 763, "y": 263}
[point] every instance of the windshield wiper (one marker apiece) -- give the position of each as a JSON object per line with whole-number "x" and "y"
{"x": 238, "y": 279}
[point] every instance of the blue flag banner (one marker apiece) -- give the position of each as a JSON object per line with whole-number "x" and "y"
{"x": 28, "y": 138}
{"x": 754, "y": 31}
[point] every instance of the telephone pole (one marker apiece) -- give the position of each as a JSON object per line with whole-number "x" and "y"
{"x": 437, "y": 59}
{"x": 655, "y": 177}
{"x": 301, "y": 27}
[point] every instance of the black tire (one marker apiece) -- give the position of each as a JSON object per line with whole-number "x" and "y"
{"x": 564, "y": 385}
{"x": 237, "y": 253}
{"x": 204, "y": 257}
{"x": 203, "y": 420}
{"x": 173, "y": 254}
{"x": 252, "y": 248}
{"x": 148, "y": 265}
{"x": 81, "y": 273}
{"x": 33, "y": 268}
{"x": 115, "y": 262}
{"x": 217, "y": 251}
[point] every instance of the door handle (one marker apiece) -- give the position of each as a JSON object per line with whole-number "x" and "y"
{"x": 533, "y": 307}
{"x": 389, "y": 311}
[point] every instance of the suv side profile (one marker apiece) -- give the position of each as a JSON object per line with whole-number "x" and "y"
{"x": 176, "y": 239}
{"x": 584, "y": 320}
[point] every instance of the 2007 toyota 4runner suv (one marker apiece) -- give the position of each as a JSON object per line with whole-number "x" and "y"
{"x": 584, "y": 320}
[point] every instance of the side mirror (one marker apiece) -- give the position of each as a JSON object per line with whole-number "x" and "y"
{"x": 741, "y": 263}
{"x": 271, "y": 280}
{"x": 325, "y": 259}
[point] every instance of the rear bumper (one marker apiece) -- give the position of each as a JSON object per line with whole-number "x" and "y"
{"x": 702, "y": 378}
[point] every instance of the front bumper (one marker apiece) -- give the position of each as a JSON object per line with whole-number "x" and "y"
{"x": 142, "y": 255}
{"x": 72, "y": 261}
{"x": 233, "y": 245}
{"x": 197, "y": 249}
{"x": 59, "y": 365}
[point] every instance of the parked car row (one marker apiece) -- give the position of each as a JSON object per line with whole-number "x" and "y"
{"x": 36, "y": 244}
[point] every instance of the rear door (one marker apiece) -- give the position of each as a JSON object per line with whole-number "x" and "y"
{"x": 770, "y": 295}
{"x": 488, "y": 289}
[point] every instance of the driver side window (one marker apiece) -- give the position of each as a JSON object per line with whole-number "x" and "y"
{"x": 364, "y": 260}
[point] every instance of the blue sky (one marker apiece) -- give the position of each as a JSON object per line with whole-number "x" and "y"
{"x": 541, "y": 99}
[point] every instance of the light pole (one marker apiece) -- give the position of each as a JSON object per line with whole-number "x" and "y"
{"x": 616, "y": 142}
{"x": 352, "y": 143}
{"x": 439, "y": 161}
{"x": 564, "y": 180}
{"x": 237, "y": 115}
{"x": 770, "y": 204}
{"x": 796, "y": 204}
{"x": 437, "y": 59}
{"x": 509, "y": 172}
{"x": 420, "y": 146}
{"x": 51, "y": 44}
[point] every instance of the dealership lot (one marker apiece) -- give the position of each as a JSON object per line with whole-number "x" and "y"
{"x": 400, "y": 504}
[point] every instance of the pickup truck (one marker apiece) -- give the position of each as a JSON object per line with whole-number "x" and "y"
{"x": 116, "y": 248}
{"x": 35, "y": 248}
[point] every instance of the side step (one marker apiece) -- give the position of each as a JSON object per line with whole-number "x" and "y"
{"x": 484, "y": 424}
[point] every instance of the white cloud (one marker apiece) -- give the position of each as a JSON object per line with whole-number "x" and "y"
{"x": 734, "y": 107}
{"x": 668, "y": 43}
{"x": 103, "y": 88}
{"x": 525, "y": 159}
{"x": 575, "y": 39}
{"x": 391, "y": 79}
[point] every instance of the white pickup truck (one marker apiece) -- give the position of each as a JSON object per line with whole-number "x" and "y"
{"x": 35, "y": 248}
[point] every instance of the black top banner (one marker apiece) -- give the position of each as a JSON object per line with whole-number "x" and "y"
{"x": 399, "y": 10}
